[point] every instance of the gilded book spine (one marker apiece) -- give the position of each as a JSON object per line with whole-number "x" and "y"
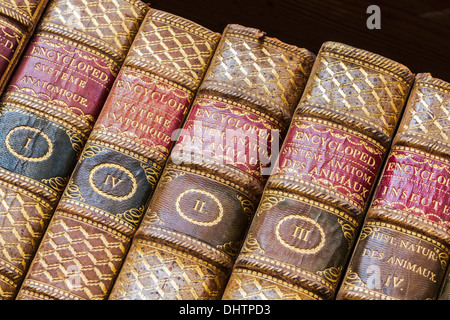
{"x": 404, "y": 246}
{"x": 196, "y": 220}
{"x": 314, "y": 201}
{"x": 91, "y": 229}
{"x": 18, "y": 19}
{"x": 47, "y": 112}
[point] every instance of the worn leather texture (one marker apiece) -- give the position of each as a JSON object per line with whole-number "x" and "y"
{"x": 195, "y": 223}
{"x": 445, "y": 290}
{"x": 47, "y": 113}
{"x": 18, "y": 19}
{"x": 91, "y": 230}
{"x": 403, "y": 249}
{"x": 314, "y": 202}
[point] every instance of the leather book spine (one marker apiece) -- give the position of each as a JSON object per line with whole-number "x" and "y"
{"x": 91, "y": 229}
{"x": 445, "y": 291}
{"x": 197, "y": 218}
{"x": 47, "y": 112}
{"x": 315, "y": 199}
{"x": 404, "y": 246}
{"x": 18, "y": 19}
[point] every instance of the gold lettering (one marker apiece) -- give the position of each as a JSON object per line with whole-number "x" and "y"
{"x": 225, "y": 119}
{"x": 384, "y": 238}
{"x": 373, "y": 253}
{"x": 67, "y": 94}
{"x": 408, "y": 265}
{"x": 418, "y": 249}
{"x": 409, "y": 196}
{"x": 298, "y": 151}
{"x": 6, "y": 43}
{"x": 341, "y": 179}
{"x": 199, "y": 206}
{"x": 294, "y": 164}
{"x": 27, "y": 144}
{"x": 414, "y": 197}
{"x": 419, "y": 172}
{"x": 351, "y": 170}
{"x": 70, "y": 62}
{"x": 158, "y": 119}
{"x": 114, "y": 181}
{"x": 338, "y": 147}
{"x": 301, "y": 233}
{"x": 396, "y": 281}
{"x": 149, "y": 129}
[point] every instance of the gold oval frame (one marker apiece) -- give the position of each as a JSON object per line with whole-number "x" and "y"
{"x": 200, "y": 223}
{"x": 22, "y": 157}
{"x": 293, "y": 248}
{"x": 107, "y": 195}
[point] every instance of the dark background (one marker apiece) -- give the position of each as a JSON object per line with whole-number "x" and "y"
{"x": 413, "y": 32}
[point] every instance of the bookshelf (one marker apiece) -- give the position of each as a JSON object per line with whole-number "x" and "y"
{"x": 413, "y": 32}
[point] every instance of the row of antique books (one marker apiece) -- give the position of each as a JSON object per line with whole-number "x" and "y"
{"x": 143, "y": 156}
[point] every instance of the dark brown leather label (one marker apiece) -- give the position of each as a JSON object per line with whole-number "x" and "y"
{"x": 300, "y": 234}
{"x": 210, "y": 211}
{"x": 396, "y": 262}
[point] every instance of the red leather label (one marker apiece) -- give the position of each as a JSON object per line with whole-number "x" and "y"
{"x": 417, "y": 183}
{"x": 344, "y": 162}
{"x": 145, "y": 109}
{"x": 69, "y": 77}
{"x": 9, "y": 39}
{"x": 227, "y": 133}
